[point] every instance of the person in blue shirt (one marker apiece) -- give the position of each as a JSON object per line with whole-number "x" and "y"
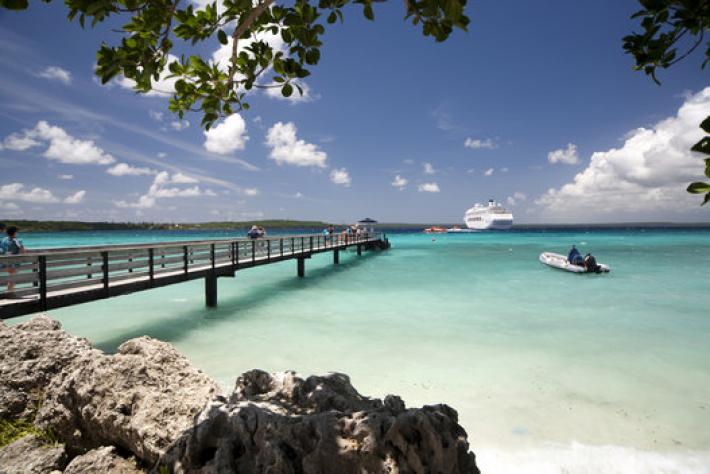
{"x": 11, "y": 245}
{"x": 574, "y": 257}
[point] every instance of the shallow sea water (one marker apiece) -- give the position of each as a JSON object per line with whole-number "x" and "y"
{"x": 549, "y": 371}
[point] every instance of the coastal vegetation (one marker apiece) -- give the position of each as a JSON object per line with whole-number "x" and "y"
{"x": 65, "y": 226}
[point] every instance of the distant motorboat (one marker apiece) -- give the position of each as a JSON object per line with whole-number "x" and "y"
{"x": 434, "y": 230}
{"x": 488, "y": 217}
{"x": 458, "y": 230}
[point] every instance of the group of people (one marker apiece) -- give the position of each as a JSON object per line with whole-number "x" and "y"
{"x": 588, "y": 261}
{"x": 256, "y": 232}
{"x": 10, "y": 245}
{"x": 348, "y": 231}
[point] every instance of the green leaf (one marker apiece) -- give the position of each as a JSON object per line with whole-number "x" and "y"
{"x": 703, "y": 146}
{"x": 707, "y": 167}
{"x": 14, "y": 4}
{"x": 699, "y": 188}
{"x": 222, "y": 37}
{"x": 332, "y": 18}
{"x": 367, "y": 11}
{"x": 705, "y": 201}
{"x": 706, "y": 124}
{"x": 287, "y": 90}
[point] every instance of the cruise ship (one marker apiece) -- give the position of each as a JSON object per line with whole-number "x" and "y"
{"x": 488, "y": 217}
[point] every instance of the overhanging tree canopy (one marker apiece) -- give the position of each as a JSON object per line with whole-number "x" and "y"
{"x": 154, "y": 26}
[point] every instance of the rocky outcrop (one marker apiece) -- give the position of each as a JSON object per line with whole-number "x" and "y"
{"x": 149, "y": 402}
{"x": 140, "y": 399}
{"x": 33, "y": 354}
{"x": 100, "y": 461}
{"x": 30, "y": 455}
{"x": 285, "y": 424}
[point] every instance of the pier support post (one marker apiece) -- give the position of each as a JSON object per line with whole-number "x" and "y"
{"x": 359, "y": 250}
{"x": 301, "y": 266}
{"x": 336, "y": 257}
{"x": 211, "y": 290}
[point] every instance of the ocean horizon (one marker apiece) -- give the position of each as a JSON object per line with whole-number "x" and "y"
{"x": 549, "y": 371}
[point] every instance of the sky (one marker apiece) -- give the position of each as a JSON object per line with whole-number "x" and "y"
{"x": 536, "y": 106}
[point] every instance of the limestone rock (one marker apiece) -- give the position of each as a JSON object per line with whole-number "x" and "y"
{"x": 102, "y": 460}
{"x": 31, "y": 455}
{"x": 32, "y": 354}
{"x": 285, "y": 424}
{"x": 140, "y": 399}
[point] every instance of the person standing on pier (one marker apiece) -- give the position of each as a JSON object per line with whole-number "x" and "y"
{"x": 11, "y": 245}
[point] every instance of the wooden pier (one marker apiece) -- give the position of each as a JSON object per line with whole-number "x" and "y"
{"x": 55, "y": 278}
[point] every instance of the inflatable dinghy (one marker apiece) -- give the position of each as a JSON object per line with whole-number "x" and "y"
{"x": 556, "y": 260}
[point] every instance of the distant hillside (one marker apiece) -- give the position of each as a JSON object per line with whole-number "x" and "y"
{"x": 66, "y": 226}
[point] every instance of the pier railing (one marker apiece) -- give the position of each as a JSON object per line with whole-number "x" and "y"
{"x": 39, "y": 276}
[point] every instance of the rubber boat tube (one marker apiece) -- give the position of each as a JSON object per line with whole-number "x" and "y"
{"x": 556, "y": 260}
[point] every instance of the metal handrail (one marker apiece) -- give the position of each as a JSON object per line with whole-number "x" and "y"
{"x": 155, "y": 245}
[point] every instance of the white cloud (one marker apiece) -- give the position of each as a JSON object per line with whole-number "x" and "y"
{"x": 228, "y": 136}
{"x": 180, "y": 125}
{"x": 75, "y": 198}
{"x": 163, "y": 87}
{"x": 428, "y": 168}
{"x": 180, "y": 178}
{"x": 649, "y": 172}
{"x": 340, "y": 177}
{"x": 17, "y": 192}
{"x": 161, "y": 154}
{"x": 160, "y": 190}
{"x": 287, "y": 148}
{"x": 65, "y": 176}
{"x": 18, "y": 142}
{"x": 250, "y": 191}
{"x": 124, "y": 169}
{"x": 408, "y": 161}
{"x": 428, "y": 188}
{"x": 55, "y": 73}
{"x": 516, "y": 198}
{"x": 62, "y": 146}
{"x": 567, "y": 155}
{"x": 504, "y": 170}
{"x": 476, "y": 144}
{"x": 471, "y": 170}
{"x": 157, "y": 116}
{"x": 10, "y": 206}
{"x": 298, "y": 195}
{"x": 488, "y": 172}
{"x": 399, "y": 182}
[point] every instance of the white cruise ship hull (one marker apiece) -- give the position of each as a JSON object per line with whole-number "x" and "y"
{"x": 493, "y": 224}
{"x": 488, "y": 217}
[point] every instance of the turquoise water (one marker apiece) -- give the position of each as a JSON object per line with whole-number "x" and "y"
{"x": 549, "y": 371}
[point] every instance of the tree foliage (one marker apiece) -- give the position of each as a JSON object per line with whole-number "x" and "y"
{"x": 703, "y": 146}
{"x": 666, "y": 25}
{"x": 154, "y": 28}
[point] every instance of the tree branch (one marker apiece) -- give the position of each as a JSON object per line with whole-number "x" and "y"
{"x": 239, "y": 32}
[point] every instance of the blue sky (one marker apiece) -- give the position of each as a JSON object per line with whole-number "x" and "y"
{"x": 536, "y": 106}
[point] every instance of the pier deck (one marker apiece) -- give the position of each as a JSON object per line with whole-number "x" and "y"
{"x": 55, "y": 278}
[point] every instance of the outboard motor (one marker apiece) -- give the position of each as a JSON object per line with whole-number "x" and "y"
{"x": 590, "y": 263}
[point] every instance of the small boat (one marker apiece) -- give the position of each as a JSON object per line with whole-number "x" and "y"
{"x": 434, "y": 230}
{"x": 556, "y": 260}
{"x": 458, "y": 230}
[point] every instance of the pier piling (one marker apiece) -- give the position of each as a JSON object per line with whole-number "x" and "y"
{"x": 301, "y": 265}
{"x": 336, "y": 257}
{"x": 211, "y": 291}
